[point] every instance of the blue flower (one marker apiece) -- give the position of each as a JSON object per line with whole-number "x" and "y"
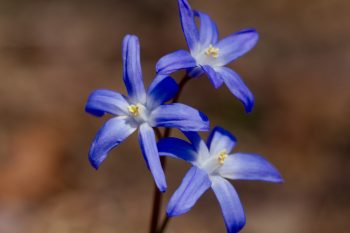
{"x": 211, "y": 164}
{"x": 208, "y": 55}
{"x": 140, "y": 110}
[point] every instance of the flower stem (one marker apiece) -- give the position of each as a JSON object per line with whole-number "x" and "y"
{"x": 182, "y": 83}
{"x": 157, "y": 197}
{"x": 164, "y": 224}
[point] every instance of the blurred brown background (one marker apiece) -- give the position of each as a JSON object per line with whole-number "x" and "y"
{"x": 54, "y": 53}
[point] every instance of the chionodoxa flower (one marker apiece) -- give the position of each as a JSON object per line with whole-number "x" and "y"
{"x": 140, "y": 110}
{"x": 212, "y": 163}
{"x": 209, "y": 55}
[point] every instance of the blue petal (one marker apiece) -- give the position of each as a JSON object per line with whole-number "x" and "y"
{"x": 150, "y": 153}
{"x": 132, "y": 73}
{"x": 198, "y": 144}
{"x": 175, "y": 61}
{"x": 106, "y": 101}
{"x": 162, "y": 89}
{"x": 237, "y": 87}
{"x": 177, "y": 148}
{"x": 208, "y": 32}
{"x": 231, "y": 206}
{"x": 109, "y": 136}
{"x": 219, "y": 140}
{"x": 241, "y": 166}
{"x": 188, "y": 24}
{"x": 195, "y": 72}
{"x": 214, "y": 78}
{"x": 236, "y": 45}
{"x": 179, "y": 116}
{"x": 195, "y": 183}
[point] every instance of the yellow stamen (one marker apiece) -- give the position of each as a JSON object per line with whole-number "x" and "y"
{"x": 222, "y": 156}
{"x": 134, "y": 110}
{"x": 212, "y": 51}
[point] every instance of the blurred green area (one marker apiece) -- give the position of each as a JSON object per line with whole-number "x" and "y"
{"x": 54, "y": 53}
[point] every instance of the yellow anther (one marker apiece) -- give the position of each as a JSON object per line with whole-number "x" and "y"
{"x": 212, "y": 51}
{"x": 134, "y": 110}
{"x": 222, "y": 156}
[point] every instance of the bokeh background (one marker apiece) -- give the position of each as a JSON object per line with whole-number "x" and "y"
{"x": 54, "y": 53}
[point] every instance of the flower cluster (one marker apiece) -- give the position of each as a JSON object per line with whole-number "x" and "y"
{"x": 147, "y": 110}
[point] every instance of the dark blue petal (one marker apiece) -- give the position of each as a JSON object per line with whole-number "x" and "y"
{"x": 188, "y": 24}
{"x": 179, "y": 116}
{"x": 237, "y": 87}
{"x": 208, "y": 32}
{"x": 195, "y": 72}
{"x": 175, "y": 61}
{"x": 231, "y": 206}
{"x": 106, "y": 101}
{"x": 150, "y": 153}
{"x": 132, "y": 72}
{"x": 162, "y": 89}
{"x": 195, "y": 183}
{"x": 236, "y": 45}
{"x": 198, "y": 144}
{"x": 242, "y": 166}
{"x": 219, "y": 140}
{"x": 109, "y": 136}
{"x": 214, "y": 78}
{"x": 177, "y": 148}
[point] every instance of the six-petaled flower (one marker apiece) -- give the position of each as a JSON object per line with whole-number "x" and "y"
{"x": 140, "y": 110}
{"x": 209, "y": 55}
{"x": 212, "y": 162}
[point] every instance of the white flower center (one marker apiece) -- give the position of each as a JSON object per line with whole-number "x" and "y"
{"x": 214, "y": 162}
{"x": 134, "y": 110}
{"x": 212, "y": 51}
{"x": 206, "y": 56}
{"x": 138, "y": 112}
{"x": 222, "y": 156}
